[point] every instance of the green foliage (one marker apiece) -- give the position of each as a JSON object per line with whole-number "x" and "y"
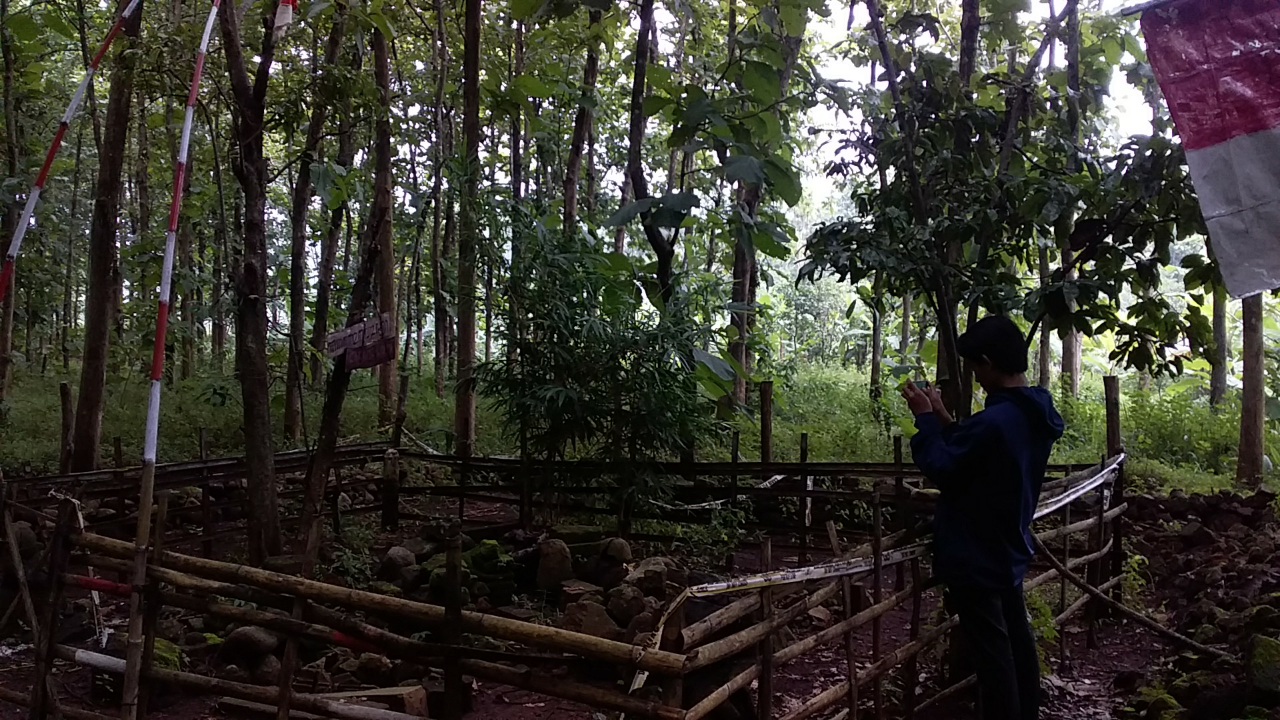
{"x": 1043, "y": 627}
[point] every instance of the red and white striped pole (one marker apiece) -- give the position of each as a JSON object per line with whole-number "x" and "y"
{"x": 134, "y": 649}
{"x": 6, "y": 271}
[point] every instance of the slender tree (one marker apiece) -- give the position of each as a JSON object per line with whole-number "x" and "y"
{"x": 1253, "y": 415}
{"x": 101, "y": 302}
{"x": 469, "y": 240}
{"x": 249, "y": 276}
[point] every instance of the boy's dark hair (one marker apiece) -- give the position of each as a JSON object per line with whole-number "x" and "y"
{"x": 997, "y": 339}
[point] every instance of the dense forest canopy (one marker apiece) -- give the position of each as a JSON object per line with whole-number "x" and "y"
{"x": 608, "y": 221}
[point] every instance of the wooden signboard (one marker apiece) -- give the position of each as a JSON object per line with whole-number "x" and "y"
{"x": 368, "y": 344}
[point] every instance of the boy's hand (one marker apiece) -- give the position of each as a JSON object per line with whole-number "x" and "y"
{"x": 935, "y": 402}
{"x": 918, "y": 401}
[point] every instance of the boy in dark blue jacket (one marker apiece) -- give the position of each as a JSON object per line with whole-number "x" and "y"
{"x": 989, "y": 469}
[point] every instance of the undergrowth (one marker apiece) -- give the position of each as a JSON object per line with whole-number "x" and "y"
{"x": 1174, "y": 439}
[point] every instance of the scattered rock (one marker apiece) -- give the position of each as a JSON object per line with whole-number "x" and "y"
{"x": 592, "y": 619}
{"x": 1264, "y": 663}
{"x": 642, "y": 624}
{"x": 616, "y": 549}
{"x": 555, "y": 564}
{"x": 250, "y": 642}
{"x": 1195, "y": 535}
{"x": 194, "y": 639}
{"x": 518, "y": 613}
{"x": 650, "y": 576}
{"x": 411, "y": 578}
{"x": 396, "y": 559}
{"x": 375, "y": 669}
{"x": 285, "y": 564}
{"x": 625, "y": 603}
{"x": 386, "y": 588}
{"x": 28, "y": 543}
{"x": 268, "y": 671}
{"x": 233, "y": 673}
{"x": 571, "y": 591}
{"x": 821, "y": 614}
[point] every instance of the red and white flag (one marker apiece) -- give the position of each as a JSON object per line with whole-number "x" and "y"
{"x": 1218, "y": 64}
{"x": 284, "y": 17}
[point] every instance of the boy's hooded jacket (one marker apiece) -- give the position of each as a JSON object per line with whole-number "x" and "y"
{"x": 989, "y": 469}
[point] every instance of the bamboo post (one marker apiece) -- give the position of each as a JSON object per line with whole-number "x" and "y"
{"x": 59, "y": 557}
{"x": 673, "y": 641}
{"x": 900, "y": 495}
{"x": 526, "y": 480}
{"x": 766, "y": 423}
{"x": 154, "y": 603}
{"x": 734, "y": 447}
{"x": 912, "y": 669}
{"x": 453, "y": 689}
{"x": 808, "y": 505}
{"x": 41, "y": 692}
{"x": 206, "y": 499}
{"x": 391, "y": 490}
{"x": 335, "y": 507}
{"x": 1095, "y": 567}
{"x": 1115, "y": 446}
{"x": 764, "y": 698}
{"x": 121, "y": 506}
{"x": 850, "y": 652}
{"x": 68, "y": 427}
{"x": 134, "y": 643}
{"x": 877, "y": 592}
{"x": 1062, "y": 582}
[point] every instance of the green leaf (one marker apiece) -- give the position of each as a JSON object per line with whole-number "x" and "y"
{"x": 383, "y": 24}
{"x": 532, "y": 87}
{"x": 714, "y": 363}
{"x": 24, "y": 27}
{"x": 744, "y": 169}
{"x": 766, "y": 243}
{"x": 784, "y": 180}
{"x": 794, "y": 18}
{"x": 655, "y": 104}
{"x": 525, "y": 9}
{"x": 762, "y": 82}
{"x": 55, "y": 22}
{"x": 629, "y": 212}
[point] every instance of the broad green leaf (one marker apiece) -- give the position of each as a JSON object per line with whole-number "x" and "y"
{"x": 715, "y": 364}
{"x": 762, "y": 81}
{"x": 794, "y": 18}
{"x": 525, "y": 9}
{"x": 24, "y": 27}
{"x": 629, "y": 212}
{"x": 532, "y": 87}
{"x": 744, "y": 169}
{"x": 655, "y": 104}
{"x": 784, "y": 180}
{"x": 55, "y": 23}
{"x": 767, "y": 244}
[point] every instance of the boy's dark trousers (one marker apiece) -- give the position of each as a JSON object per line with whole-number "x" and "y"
{"x": 1002, "y": 648}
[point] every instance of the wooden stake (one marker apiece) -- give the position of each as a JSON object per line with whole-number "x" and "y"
{"x": 1062, "y": 583}
{"x": 900, "y": 495}
{"x": 206, "y": 500}
{"x": 68, "y": 427}
{"x": 766, "y": 423}
{"x": 1115, "y": 446}
{"x": 850, "y": 652}
{"x": 808, "y": 504}
{"x": 154, "y": 603}
{"x": 764, "y": 698}
{"x": 453, "y": 687}
{"x": 134, "y": 643}
{"x": 912, "y": 670}
{"x": 41, "y": 692}
{"x": 59, "y": 556}
{"x": 877, "y": 592}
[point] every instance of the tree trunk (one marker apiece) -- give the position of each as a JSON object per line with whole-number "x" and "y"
{"x": 142, "y": 186}
{"x": 250, "y": 280}
{"x": 1221, "y": 347}
{"x": 438, "y": 202}
{"x": 386, "y": 270}
{"x": 100, "y": 303}
{"x": 581, "y": 125}
{"x": 877, "y": 339}
{"x": 662, "y": 246}
{"x": 970, "y": 27}
{"x": 517, "y": 197}
{"x": 9, "y": 212}
{"x": 904, "y": 336}
{"x": 1044, "y": 351}
{"x": 1250, "y": 465}
{"x": 218, "y": 341}
{"x": 465, "y": 405}
{"x": 73, "y": 231}
{"x": 301, "y": 203}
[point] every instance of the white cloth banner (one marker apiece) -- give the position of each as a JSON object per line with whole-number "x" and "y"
{"x": 1218, "y": 65}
